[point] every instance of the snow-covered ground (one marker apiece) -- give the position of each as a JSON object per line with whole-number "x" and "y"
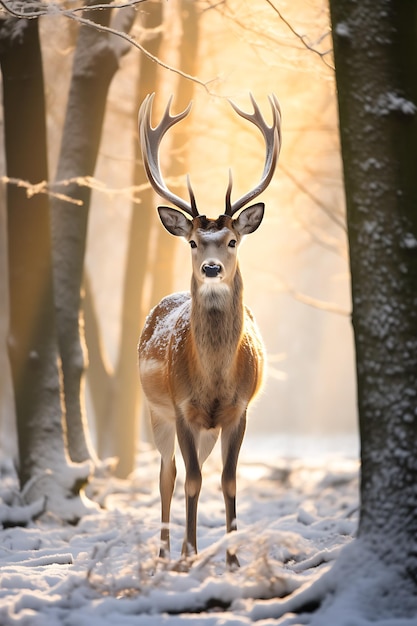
{"x": 294, "y": 517}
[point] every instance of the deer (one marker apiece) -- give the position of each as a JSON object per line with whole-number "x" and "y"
{"x": 201, "y": 356}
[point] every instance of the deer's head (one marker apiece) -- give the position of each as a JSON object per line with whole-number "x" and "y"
{"x": 214, "y": 241}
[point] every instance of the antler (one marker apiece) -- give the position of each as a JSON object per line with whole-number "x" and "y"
{"x": 272, "y": 136}
{"x": 150, "y": 138}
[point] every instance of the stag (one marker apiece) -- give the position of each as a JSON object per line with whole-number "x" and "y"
{"x": 200, "y": 353}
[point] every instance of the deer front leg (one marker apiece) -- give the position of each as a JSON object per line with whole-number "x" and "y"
{"x": 232, "y": 437}
{"x": 167, "y": 477}
{"x": 188, "y": 442}
{"x": 164, "y": 437}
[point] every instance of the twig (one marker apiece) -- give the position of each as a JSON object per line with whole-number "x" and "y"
{"x": 70, "y": 13}
{"x": 42, "y": 187}
{"x": 53, "y": 8}
{"x": 92, "y": 7}
{"x": 330, "y": 214}
{"x": 132, "y": 192}
{"x": 302, "y": 37}
{"x": 330, "y": 307}
{"x": 136, "y": 44}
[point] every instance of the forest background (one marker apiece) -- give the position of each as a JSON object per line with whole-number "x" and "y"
{"x": 95, "y": 205}
{"x": 295, "y": 268}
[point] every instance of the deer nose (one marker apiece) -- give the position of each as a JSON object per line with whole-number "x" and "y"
{"x": 211, "y": 270}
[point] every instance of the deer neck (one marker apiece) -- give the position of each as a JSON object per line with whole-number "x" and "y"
{"x": 217, "y": 322}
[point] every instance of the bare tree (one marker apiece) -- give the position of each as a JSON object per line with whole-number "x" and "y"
{"x": 44, "y": 469}
{"x": 96, "y": 61}
{"x": 375, "y": 52}
{"x": 116, "y": 411}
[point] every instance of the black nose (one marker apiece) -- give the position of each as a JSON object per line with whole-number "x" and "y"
{"x": 212, "y": 270}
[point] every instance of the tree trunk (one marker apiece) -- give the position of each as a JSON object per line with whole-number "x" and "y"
{"x": 8, "y": 435}
{"x": 123, "y": 407}
{"x": 96, "y": 61}
{"x": 100, "y": 374}
{"x": 375, "y": 48}
{"x": 44, "y": 470}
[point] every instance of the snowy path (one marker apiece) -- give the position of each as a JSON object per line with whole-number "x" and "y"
{"x": 293, "y": 519}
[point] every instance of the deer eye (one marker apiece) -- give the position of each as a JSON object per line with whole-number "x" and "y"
{"x": 232, "y": 243}
{"x": 193, "y": 243}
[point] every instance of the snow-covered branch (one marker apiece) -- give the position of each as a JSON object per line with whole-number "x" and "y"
{"x": 34, "y": 188}
{"x": 132, "y": 193}
{"x": 37, "y": 8}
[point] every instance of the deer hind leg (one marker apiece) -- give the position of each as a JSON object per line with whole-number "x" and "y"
{"x": 232, "y": 437}
{"x": 164, "y": 436}
{"x": 188, "y": 439}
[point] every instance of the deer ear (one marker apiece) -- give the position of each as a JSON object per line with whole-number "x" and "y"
{"x": 249, "y": 219}
{"x": 174, "y": 221}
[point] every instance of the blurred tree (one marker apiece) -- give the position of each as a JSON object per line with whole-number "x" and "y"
{"x": 116, "y": 410}
{"x": 126, "y": 396}
{"x": 44, "y": 468}
{"x": 96, "y": 61}
{"x": 375, "y": 49}
{"x": 8, "y": 438}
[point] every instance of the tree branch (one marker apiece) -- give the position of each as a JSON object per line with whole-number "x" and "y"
{"x": 302, "y": 38}
{"x": 329, "y": 307}
{"x": 132, "y": 192}
{"x": 339, "y": 221}
{"x": 43, "y": 9}
{"x": 315, "y": 303}
{"x": 70, "y": 13}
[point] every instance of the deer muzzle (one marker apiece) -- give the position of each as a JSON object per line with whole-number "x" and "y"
{"x": 211, "y": 270}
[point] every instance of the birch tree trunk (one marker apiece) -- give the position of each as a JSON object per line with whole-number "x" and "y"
{"x": 96, "y": 61}
{"x": 375, "y": 49}
{"x": 44, "y": 468}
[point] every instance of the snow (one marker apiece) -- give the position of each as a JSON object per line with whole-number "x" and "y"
{"x": 391, "y": 102}
{"x": 16, "y": 30}
{"x": 342, "y": 30}
{"x": 166, "y": 315}
{"x": 295, "y": 517}
{"x": 409, "y": 242}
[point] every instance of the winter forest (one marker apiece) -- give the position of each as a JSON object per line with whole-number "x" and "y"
{"x": 327, "y": 474}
